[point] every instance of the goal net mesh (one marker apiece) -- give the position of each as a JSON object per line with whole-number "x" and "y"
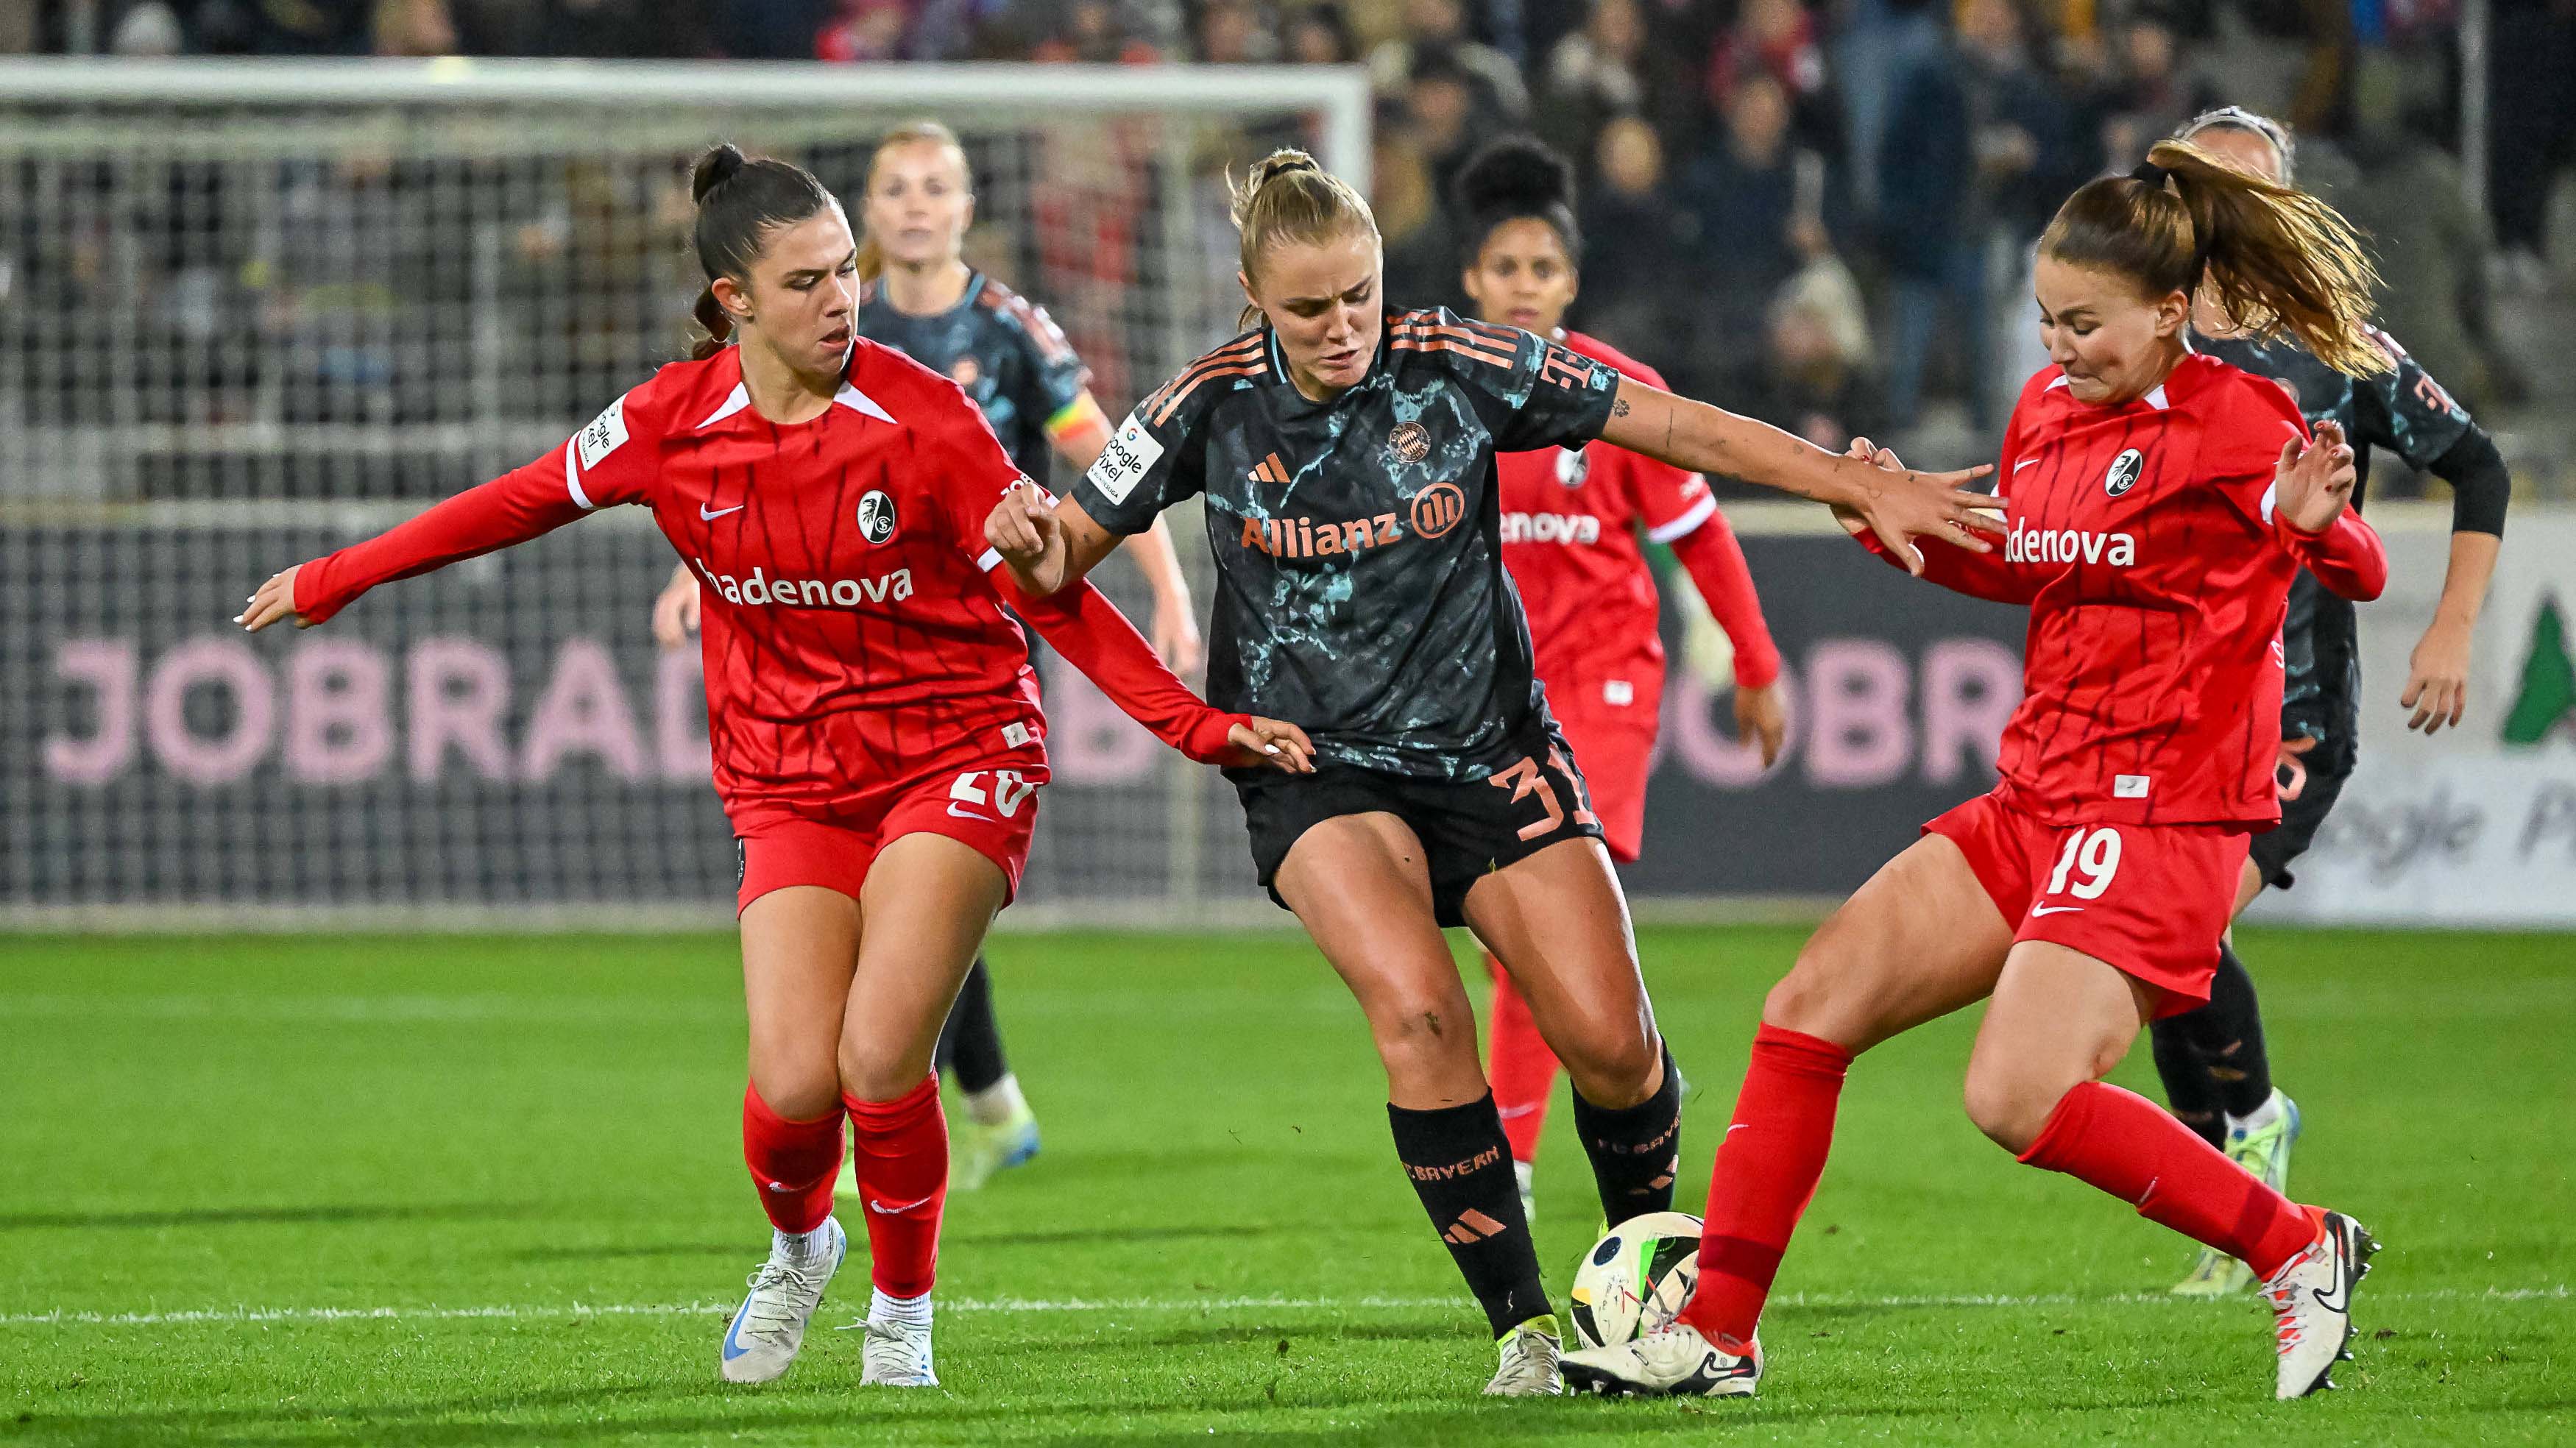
{"x": 235, "y": 334}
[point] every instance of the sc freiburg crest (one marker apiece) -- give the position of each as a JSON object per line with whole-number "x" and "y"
{"x": 876, "y": 517}
{"x": 1573, "y": 465}
{"x": 2124, "y": 472}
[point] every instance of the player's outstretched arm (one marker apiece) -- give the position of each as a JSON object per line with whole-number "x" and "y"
{"x": 1897, "y": 506}
{"x": 2311, "y": 492}
{"x": 1046, "y": 545}
{"x": 1978, "y": 575}
{"x": 512, "y": 508}
{"x": 1083, "y": 625}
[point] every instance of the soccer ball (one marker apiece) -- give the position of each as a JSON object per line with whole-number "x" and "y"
{"x": 1636, "y": 1278}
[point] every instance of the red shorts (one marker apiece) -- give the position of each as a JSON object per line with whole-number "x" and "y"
{"x": 2149, "y": 900}
{"x": 1614, "y": 757}
{"x": 989, "y": 804}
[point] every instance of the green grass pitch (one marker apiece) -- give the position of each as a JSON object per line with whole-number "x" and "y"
{"x": 420, "y": 1192}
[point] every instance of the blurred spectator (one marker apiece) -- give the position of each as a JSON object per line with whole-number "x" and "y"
{"x": 1320, "y": 34}
{"x": 1813, "y": 376}
{"x": 1099, "y": 32}
{"x": 1234, "y": 32}
{"x": 2146, "y": 94}
{"x": 1758, "y": 201}
{"x": 148, "y": 29}
{"x": 1979, "y": 150}
{"x": 2433, "y": 248}
{"x": 1422, "y": 262}
{"x": 1439, "y": 28}
{"x": 1592, "y": 75}
{"x": 858, "y": 30}
{"x": 1443, "y": 118}
{"x": 765, "y": 29}
{"x": 287, "y": 27}
{"x": 1882, "y": 42}
{"x": 414, "y": 28}
{"x": 2534, "y": 129}
{"x": 1777, "y": 38}
{"x": 1639, "y": 269}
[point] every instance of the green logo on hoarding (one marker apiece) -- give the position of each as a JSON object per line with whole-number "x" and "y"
{"x": 2546, "y": 700}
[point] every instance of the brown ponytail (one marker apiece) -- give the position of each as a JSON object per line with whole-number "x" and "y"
{"x": 1287, "y": 197}
{"x": 2274, "y": 259}
{"x": 910, "y": 133}
{"x": 739, "y": 201}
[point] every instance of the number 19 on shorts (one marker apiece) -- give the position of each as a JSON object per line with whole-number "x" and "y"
{"x": 2090, "y": 859}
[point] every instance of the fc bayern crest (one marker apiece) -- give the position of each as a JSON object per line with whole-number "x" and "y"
{"x": 1410, "y": 442}
{"x": 1573, "y": 465}
{"x": 2124, "y": 472}
{"x": 876, "y": 517}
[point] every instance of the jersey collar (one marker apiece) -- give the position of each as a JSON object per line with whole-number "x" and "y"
{"x": 739, "y": 399}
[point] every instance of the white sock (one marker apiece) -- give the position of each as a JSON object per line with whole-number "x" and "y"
{"x": 811, "y": 1246}
{"x": 1524, "y": 1173}
{"x": 2262, "y": 1116}
{"x": 996, "y": 1103}
{"x": 908, "y": 1311}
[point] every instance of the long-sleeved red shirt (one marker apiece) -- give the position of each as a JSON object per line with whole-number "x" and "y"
{"x": 1571, "y": 520}
{"x": 2144, "y": 540}
{"x": 853, "y": 626}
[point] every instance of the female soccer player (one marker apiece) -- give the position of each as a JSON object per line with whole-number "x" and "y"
{"x": 1347, "y": 456}
{"x": 1571, "y": 518}
{"x": 2217, "y": 1074}
{"x": 875, "y": 727}
{"x": 2162, "y": 502}
{"x": 921, "y": 298}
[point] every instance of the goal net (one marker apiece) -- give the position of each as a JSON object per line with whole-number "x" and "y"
{"x": 251, "y": 310}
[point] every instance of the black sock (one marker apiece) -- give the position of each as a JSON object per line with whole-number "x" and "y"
{"x": 970, "y": 1044}
{"x": 2189, "y": 1095}
{"x": 1635, "y": 1150}
{"x": 1461, "y": 1166}
{"x": 2239, "y": 1067}
{"x": 2213, "y": 1059}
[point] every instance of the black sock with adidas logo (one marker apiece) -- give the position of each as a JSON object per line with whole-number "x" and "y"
{"x": 1461, "y": 1166}
{"x": 1635, "y": 1150}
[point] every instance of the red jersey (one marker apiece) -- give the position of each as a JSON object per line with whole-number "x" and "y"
{"x": 2144, "y": 539}
{"x": 853, "y": 629}
{"x": 1571, "y": 519}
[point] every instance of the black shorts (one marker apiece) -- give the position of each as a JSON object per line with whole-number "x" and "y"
{"x": 2274, "y": 850}
{"x": 1468, "y": 829}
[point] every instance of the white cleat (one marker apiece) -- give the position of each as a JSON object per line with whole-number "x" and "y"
{"x": 761, "y": 1342}
{"x": 2311, "y": 1299}
{"x": 1673, "y": 1361}
{"x": 1529, "y": 1356}
{"x": 1525, "y": 1174}
{"x": 896, "y": 1353}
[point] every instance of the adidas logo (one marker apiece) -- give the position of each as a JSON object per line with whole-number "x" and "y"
{"x": 1270, "y": 470}
{"x": 1472, "y": 1226}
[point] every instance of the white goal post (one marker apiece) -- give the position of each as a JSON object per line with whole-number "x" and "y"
{"x": 249, "y": 309}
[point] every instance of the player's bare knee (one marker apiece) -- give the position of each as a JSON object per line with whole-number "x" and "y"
{"x": 2009, "y": 1104}
{"x": 879, "y": 1070}
{"x": 797, "y": 1088}
{"x": 1818, "y": 996}
{"x": 1614, "y": 1064}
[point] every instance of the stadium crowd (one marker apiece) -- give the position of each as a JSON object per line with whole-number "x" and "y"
{"x": 1852, "y": 187}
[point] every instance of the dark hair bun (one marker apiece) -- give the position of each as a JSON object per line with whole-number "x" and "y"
{"x": 714, "y": 169}
{"x": 1515, "y": 176}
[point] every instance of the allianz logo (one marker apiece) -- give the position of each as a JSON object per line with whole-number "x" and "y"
{"x": 1580, "y": 528}
{"x": 808, "y": 592}
{"x": 2068, "y": 545}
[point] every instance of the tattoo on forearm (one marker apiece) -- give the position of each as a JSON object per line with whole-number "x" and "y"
{"x": 1619, "y": 407}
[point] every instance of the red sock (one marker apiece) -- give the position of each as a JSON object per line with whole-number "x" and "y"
{"x": 2132, "y": 1148}
{"x": 1767, "y": 1170}
{"x": 902, "y": 1148}
{"x": 792, "y": 1162}
{"x": 1523, "y": 1069}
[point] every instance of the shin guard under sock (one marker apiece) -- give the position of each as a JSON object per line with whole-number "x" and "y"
{"x": 792, "y": 1163}
{"x": 902, "y": 1160}
{"x": 1461, "y": 1167}
{"x": 1767, "y": 1168}
{"x": 1635, "y": 1150}
{"x": 2124, "y": 1144}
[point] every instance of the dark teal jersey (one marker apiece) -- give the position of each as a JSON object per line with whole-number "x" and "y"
{"x": 1360, "y": 584}
{"x": 1002, "y": 348}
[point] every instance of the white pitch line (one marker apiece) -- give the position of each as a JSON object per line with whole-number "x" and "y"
{"x": 1018, "y": 1305}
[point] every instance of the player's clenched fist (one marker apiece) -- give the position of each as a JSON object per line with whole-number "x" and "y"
{"x": 1023, "y": 529}
{"x": 2313, "y": 482}
{"x": 274, "y": 601}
